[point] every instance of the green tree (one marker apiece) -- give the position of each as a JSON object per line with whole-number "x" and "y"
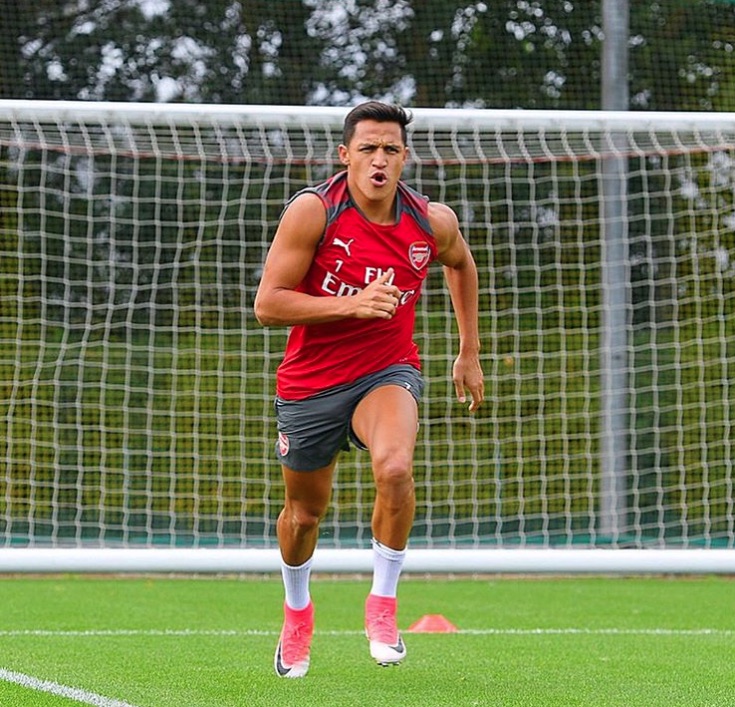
{"x": 682, "y": 56}
{"x": 506, "y": 54}
{"x": 190, "y": 50}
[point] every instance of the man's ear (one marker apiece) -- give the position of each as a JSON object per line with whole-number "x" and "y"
{"x": 344, "y": 156}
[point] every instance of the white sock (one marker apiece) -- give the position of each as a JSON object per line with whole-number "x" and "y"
{"x": 387, "y": 566}
{"x": 296, "y": 584}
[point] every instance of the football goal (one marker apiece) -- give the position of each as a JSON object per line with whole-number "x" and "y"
{"x": 136, "y": 425}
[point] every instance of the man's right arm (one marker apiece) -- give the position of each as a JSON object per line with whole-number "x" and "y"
{"x": 278, "y": 303}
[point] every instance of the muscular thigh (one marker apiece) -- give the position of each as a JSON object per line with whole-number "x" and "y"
{"x": 309, "y": 490}
{"x": 386, "y": 421}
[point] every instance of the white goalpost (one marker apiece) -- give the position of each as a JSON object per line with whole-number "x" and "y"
{"x": 136, "y": 425}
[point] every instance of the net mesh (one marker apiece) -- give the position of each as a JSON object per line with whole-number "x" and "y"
{"x": 137, "y": 385}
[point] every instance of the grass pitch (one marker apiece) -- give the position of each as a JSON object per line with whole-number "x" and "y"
{"x": 209, "y": 642}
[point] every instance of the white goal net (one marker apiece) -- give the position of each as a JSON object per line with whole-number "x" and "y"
{"x": 137, "y": 387}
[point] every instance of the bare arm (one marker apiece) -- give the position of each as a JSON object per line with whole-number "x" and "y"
{"x": 278, "y": 303}
{"x": 460, "y": 273}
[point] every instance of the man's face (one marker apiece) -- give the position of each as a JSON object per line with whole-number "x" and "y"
{"x": 375, "y": 157}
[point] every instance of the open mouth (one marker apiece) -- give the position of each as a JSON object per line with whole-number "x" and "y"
{"x": 378, "y": 179}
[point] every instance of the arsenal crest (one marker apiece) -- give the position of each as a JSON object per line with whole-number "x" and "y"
{"x": 419, "y": 253}
{"x": 283, "y": 444}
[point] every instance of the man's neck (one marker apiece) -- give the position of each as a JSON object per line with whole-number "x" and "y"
{"x": 382, "y": 212}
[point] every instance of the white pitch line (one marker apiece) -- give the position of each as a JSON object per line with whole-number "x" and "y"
{"x": 600, "y": 632}
{"x": 54, "y": 688}
{"x": 163, "y": 633}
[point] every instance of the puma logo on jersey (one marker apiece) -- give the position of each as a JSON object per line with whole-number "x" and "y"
{"x": 344, "y": 244}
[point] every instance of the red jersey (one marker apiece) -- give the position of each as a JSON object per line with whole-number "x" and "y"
{"x": 352, "y": 253}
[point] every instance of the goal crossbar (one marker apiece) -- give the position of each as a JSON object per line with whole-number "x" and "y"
{"x": 163, "y": 114}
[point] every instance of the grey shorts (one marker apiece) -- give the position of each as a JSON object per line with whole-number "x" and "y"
{"x": 312, "y": 431}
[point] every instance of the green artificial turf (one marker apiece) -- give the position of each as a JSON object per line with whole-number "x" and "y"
{"x": 208, "y": 642}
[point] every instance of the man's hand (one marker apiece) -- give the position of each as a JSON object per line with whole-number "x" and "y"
{"x": 379, "y": 300}
{"x": 467, "y": 376}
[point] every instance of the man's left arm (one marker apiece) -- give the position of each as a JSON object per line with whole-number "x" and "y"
{"x": 460, "y": 273}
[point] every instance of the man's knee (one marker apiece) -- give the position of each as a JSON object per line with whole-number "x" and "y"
{"x": 303, "y": 518}
{"x": 393, "y": 475}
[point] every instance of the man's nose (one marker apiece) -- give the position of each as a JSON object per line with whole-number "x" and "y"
{"x": 380, "y": 156}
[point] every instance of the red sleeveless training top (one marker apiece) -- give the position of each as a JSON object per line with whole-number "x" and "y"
{"x": 352, "y": 253}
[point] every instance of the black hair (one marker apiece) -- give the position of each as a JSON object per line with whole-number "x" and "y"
{"x": 380, "y": 112}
